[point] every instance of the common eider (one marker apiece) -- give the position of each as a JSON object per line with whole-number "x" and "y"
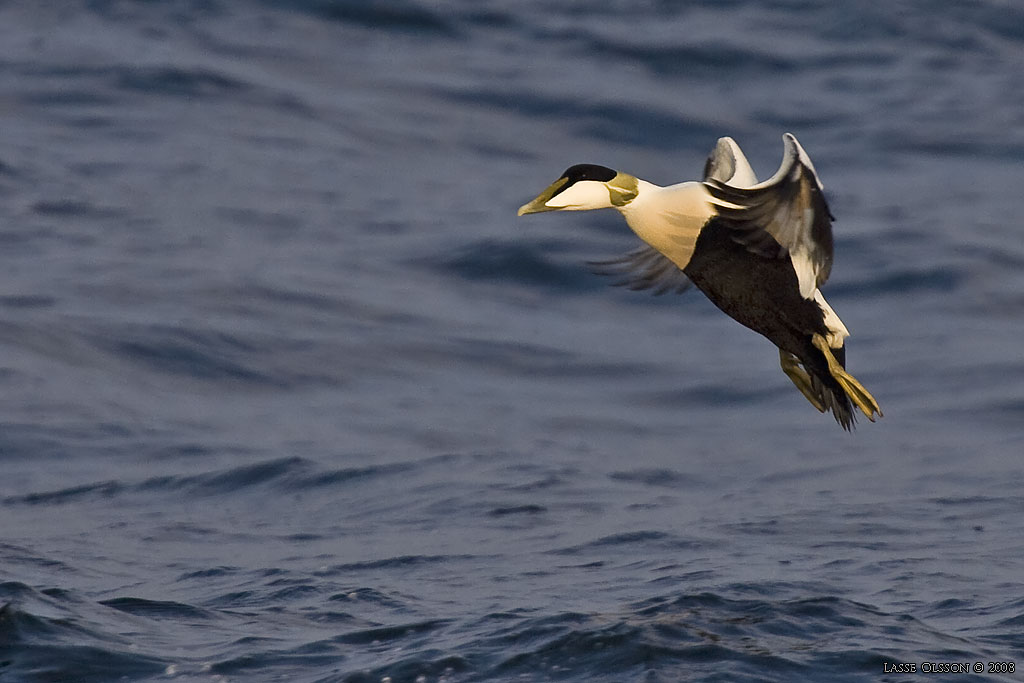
{"x": 759, "y": 251}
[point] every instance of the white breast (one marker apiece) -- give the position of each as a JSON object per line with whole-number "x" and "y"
{"x": 669, "y": 218}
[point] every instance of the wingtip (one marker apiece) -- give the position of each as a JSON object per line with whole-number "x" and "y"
{"x": 791, "y": 144}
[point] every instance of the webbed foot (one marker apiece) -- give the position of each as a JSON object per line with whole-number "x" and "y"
{"x": 860, "y": 396}
{"x": 791, "y": 366}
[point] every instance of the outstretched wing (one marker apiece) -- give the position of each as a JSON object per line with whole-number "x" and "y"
{"x": 728, "y": 164}
{"x": 786, "y": 215}
{"x": 644, "y": 268}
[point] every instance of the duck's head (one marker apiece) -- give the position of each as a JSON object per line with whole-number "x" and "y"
{"x": 583, "y": 187}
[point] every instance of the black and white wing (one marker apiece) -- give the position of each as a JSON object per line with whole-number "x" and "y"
{"x": 728, "y": 165}
{"x": 786, "y": 215}
{"x": 644, "y": 268}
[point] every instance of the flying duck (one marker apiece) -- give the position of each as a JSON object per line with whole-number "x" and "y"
{"x": 759, "y": 250}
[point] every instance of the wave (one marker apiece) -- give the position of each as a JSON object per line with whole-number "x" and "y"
{"x": 517, "y": 263}
{"x": 675, "y": 636}
{"x": 44, "y": 637}
{"x": 157, "y": 609}
{"x": 286, "y": 475}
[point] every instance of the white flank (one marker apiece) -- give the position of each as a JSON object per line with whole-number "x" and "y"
{"x": 806, "y": 273}
{"x": 837, "y": 331}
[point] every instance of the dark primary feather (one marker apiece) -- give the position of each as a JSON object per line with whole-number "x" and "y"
{"x": 721, "y": 164}
{"x": 644, "y": 268}
{"x": 771, "y": 220}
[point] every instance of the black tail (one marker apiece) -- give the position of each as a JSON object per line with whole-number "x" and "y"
{"x": 834, "y": 398}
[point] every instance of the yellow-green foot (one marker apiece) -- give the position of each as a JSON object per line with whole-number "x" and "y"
{"x": 860, "y": 396}
{"x": 791, "y": 366}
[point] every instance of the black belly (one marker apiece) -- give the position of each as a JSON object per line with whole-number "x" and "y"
{"x": 760, "y": 293}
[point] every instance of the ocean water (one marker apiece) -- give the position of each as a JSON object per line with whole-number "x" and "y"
{"x": 288, "y": 393}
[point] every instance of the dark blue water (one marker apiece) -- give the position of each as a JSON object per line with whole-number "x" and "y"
{"x": 288, "y": 393}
